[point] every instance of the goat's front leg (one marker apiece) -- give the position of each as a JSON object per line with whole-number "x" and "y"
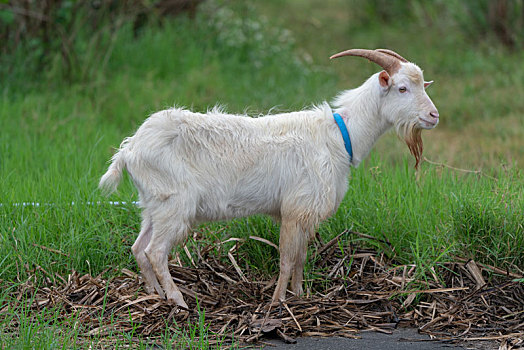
{"x": 300, "y": 261}
{"x": 292, "y": 244}
{"x": 166, "y": 233}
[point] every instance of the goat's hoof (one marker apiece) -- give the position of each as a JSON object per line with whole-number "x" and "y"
{"x": 298, "y": 292}
{"x": 177, "y": 299}
{"x": 275, "y": 303}
{"x": 179, "y": 303}
{"x": 154, "y": 290}
{"x": 150, "y": 290}
{"x": 278, "y": 305}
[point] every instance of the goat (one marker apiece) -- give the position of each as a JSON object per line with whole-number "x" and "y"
{"x": 192, "y": 167}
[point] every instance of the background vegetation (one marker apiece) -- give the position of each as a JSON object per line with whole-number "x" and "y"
{"x": 79, "y": 76}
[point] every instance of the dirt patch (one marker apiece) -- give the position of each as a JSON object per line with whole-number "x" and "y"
{"x": 355, "y": 290}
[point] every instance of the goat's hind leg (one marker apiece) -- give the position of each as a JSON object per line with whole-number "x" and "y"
{"x": 146, "y": 230}
{"x": 168, "y": 230}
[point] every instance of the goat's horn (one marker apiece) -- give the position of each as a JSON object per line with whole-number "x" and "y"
{"x": 392, "y": 53}
{"x": 389, "y": 61}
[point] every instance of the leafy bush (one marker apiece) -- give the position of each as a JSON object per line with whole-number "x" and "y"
{"x": 83, "y": 44}
{"x": 71, "y": 37}
{"x": 502, "y": 20}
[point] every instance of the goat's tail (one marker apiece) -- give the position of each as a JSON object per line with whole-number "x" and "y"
{"x": 110, "y": 180}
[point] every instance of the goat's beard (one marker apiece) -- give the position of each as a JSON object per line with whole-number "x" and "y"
{"x": 411, "y": 134}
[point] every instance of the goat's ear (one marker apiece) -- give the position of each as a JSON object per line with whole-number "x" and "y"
{"x": 427, "y": 84}
{"x": 384, "y": 79}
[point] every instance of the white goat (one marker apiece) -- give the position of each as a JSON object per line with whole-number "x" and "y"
{"x": 193, "y": 167}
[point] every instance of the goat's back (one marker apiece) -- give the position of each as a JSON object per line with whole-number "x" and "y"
{"x": 230, "y": 165}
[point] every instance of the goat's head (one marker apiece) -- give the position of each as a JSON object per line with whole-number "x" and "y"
{"x": 404, "y": 101}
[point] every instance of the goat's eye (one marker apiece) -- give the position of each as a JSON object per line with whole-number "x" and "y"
{"x": 402, "y": 89}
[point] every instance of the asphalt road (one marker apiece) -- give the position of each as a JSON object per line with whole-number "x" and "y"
{"x": 401, "y": 339}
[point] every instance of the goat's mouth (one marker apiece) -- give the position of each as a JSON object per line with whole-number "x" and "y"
{"x": 427, "y": 123}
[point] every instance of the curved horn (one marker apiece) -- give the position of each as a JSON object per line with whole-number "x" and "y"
{"x": 392, "y": 53}
{"x": 390, "y": 62}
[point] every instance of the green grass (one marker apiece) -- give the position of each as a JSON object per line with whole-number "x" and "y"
{"x": 56, "y": 138}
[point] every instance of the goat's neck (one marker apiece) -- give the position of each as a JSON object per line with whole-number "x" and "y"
{"x": 360, "y": 109}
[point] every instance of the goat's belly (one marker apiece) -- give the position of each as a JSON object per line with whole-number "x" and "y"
{"x": 209, "y": 210}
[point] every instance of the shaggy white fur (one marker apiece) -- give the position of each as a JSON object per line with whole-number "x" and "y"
{"x": 192, "y": 167}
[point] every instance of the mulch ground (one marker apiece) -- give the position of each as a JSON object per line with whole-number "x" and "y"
{"x": 355, "y": 290}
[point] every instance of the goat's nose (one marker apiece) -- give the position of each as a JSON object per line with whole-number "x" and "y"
{"x": 434, "y": 114}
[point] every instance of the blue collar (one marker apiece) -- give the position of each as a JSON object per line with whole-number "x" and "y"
{"x": 345, "y": 135}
